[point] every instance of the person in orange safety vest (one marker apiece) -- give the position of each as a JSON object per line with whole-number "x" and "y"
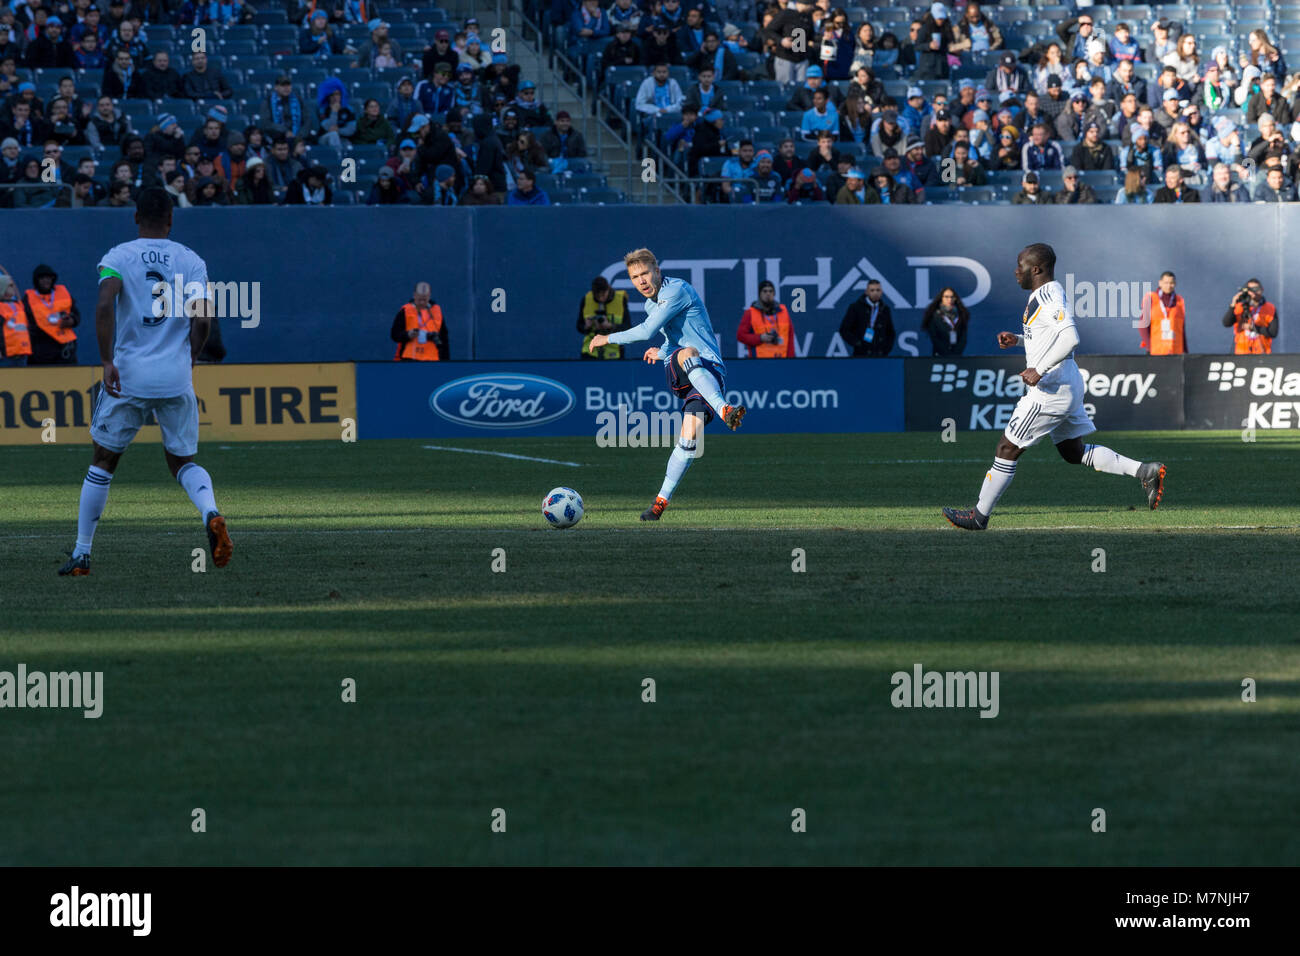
{"x": 419, "y": 329}
{"x": 765, "y": 328}
{"x": 1253, "y": 320}
{"x": 15, "y": 342}
{"x": 52, "y": 319}
{"x": 1164, "y": 315}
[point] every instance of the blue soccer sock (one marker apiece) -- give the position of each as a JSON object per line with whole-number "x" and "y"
{"x": 707, "y": 386}
{"x": 678, "y": 462}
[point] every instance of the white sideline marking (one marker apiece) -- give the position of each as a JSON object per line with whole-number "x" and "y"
{"x": 504, "y": 454}
{"x": 944, "y": 528}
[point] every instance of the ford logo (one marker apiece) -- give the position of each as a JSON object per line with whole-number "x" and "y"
{"x": 504, "y": 400}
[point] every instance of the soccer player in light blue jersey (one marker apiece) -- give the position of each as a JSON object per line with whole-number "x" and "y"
{"x": 692, "y": 364}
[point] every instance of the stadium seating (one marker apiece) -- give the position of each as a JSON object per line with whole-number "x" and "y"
{"x": 252, "y": 55}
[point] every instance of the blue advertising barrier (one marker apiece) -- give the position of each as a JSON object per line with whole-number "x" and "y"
{"x": 483, "y": 399}
{"x": 820, "y": 258}
{"x": 510, "y": 280}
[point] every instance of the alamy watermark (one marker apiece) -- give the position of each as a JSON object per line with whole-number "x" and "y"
{"x": 78, "y": 909}
{"x": 624, "y": 428}
{"x": 922, "y": 688}
{"x": 230, "y": 300}
{"x": 1108, "y": 300}
{"x": 83, "y": 690}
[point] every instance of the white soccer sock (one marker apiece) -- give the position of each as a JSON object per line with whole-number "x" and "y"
{"x": 996, "y": 481}
{"x": 1111, "y": 462}
{"x": 94, "y": 495}
{"x": 198, "y": 485}
{"x": 707, "y": 386}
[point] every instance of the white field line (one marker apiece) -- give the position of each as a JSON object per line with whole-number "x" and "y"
{"x": 503, "y": 454}
{"x": 940, "y": 527}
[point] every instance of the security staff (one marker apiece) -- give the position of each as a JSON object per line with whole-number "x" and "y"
{"x": 419, "y": 331}
{"x": 765, "y": 328}
{"x": 53, "y": 318}
{"x": 1164, "y": 329}
{"x": 602, "y": 311}
{"x": 868, "y": 324}
{"x": 15, "y": 343}
{"x": 1253, "y": 320}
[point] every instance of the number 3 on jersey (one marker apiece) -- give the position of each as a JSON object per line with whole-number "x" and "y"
{"x": 158, "y": 289}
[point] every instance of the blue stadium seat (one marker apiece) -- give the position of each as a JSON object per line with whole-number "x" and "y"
{"x": 770, "y": 136}
{"x": 977, "y": 195}
{"x": 1102, "y": 179}
{"x": 752, "y": 118}
{"x": 263, "y": 77}
{"x": 181, "y": 108}
{"x": 738, "y": 100}
{"x": 379, "y": 91}
{"x": 241, "y": 48}
{"x": 768, "y": 90}
{"x": 892, "y": 18}
{"x": 1050, "y": 179}
{"x": 1140, "y": 12}
{"x": 602, "y": 197}
{"x": 156, "y": 33}
{"x": 353, "y": 75}
{"x": 74, "y": 154}
{"x": 712, "y": 165}
{"x": 326, "y": 156}
{"x": 375, "y": 153}
{"x": 270, "y": 18}
{"x": 280, "y": 38}
{"x": 561, "y": 197}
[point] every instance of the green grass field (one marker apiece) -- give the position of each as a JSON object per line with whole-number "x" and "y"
{"x": 522, "y": 690}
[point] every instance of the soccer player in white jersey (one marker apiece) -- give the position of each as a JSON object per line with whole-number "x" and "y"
{"x": 1053, "y": 402}
{"x": 149, "y": 336}
{"x": 692, "y": 364}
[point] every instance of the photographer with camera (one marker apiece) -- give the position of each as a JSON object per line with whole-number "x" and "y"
{"x": 603, "y": 310}
{"x": 1253, "y": 320}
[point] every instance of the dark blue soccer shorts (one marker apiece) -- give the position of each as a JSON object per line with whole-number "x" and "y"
{"x": 692, "y": 401}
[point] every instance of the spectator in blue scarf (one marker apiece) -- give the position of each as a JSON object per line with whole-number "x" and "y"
{"x": 282, "y": 110}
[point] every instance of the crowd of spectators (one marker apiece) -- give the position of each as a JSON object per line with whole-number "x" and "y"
{"x": 92, "y": 109}
{"x": 1151, "y": 103}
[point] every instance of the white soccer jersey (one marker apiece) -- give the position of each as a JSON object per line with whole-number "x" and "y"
{"x": 1046, "y": 317}
{"x": 160, "y": 278}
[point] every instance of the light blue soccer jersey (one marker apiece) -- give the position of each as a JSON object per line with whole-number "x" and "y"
{"x": 678, "y": 313}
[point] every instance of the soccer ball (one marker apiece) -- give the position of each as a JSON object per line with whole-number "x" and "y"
{"x": 562, "y": 508}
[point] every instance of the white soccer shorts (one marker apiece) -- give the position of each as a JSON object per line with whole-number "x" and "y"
{"x": 1057, "y": 411}
{"x": 117, "y": 420}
